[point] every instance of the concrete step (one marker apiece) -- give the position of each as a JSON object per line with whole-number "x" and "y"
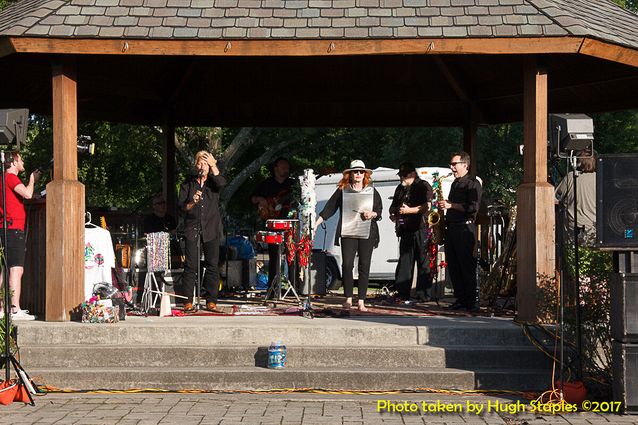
{"x": 292, "y": 331}
{"x": 416, "y": 357}
{"x": 115, "y": 334}
{"x": 264, "y": 379}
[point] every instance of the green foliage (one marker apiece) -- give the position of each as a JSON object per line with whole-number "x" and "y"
{"x": 500, "y": 164}
{"x": 126, "y": 169}
{"x": 595, "y": 303}
{"x": 628, "y": 4}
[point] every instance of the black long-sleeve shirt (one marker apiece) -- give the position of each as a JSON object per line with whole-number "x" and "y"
{"x": 205, "y": 213}
{"x": 417, "y": 194}
{"x": 466, "y": 191}
{"x": 335, "y": 202}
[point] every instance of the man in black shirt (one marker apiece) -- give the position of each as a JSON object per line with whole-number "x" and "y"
{"x": 273, "y": 198}
{"x": 159, "y": 220}
{"x": 199, "y": 201}
{"x": 410, "y": 202}
{"x": 461, "y": 208}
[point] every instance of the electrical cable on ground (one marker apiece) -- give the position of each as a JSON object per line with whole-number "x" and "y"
{"x": 522, "y": 394}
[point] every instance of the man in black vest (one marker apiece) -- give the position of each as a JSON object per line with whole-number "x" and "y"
{"x": 461, "y": 208}
{"x": 410, "y": 203}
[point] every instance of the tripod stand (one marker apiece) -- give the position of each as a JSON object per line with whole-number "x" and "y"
{"x": 8, "y": 359}
{"x": 275, "y": 287}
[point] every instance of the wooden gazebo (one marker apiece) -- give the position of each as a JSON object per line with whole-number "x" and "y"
{"x": 313, "y": 63}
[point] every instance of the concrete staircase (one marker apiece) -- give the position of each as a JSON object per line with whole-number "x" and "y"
{"x": 230, "y": 353}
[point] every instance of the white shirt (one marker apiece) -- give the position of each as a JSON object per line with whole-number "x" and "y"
{"x": 99, "y": 258}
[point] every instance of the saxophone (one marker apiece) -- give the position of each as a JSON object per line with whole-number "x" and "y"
{"x": 435, "y": 218}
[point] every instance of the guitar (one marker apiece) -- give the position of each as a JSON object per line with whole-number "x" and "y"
{"x": 276, "y": 206}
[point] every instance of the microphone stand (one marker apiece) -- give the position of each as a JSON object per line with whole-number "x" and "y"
{"x": 198, "y": 286}
{"x": 579, "y": 338}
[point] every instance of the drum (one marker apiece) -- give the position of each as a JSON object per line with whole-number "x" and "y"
{"x": 279, "y": 224}
{"x": 269, "y": 237}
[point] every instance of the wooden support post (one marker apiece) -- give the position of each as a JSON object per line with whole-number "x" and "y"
{"x": 470, "y": 136}
{"x": 534, "y": 198}
{"x": 168, "y": 170}
{"x": 65, "y": 204}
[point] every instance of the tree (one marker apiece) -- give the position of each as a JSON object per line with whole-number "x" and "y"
{"x": 628, "y": 4}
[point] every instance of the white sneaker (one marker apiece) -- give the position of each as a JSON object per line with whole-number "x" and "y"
{"x": 22, "y": 315}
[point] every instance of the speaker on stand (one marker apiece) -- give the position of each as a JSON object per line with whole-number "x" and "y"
{"x": 616, "y": 226}
{"x": 317, "y": 281}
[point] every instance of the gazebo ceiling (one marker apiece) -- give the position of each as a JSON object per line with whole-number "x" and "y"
{"x": 318, "y": 63}
{"x": 369, "y": 90}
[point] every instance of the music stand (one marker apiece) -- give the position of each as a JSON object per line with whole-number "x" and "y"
{"x": 13, "y": 124}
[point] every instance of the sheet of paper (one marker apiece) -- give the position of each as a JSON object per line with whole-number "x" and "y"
{"x": 354, "y": 203}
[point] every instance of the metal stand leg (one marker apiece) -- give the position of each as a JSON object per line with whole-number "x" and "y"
{"x": 151, "y": 293}
{"x": 275, "y": 287}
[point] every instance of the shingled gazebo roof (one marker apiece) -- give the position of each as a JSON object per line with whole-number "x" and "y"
{"x": 472, "y": 49}
{"x": 299, "y": 19}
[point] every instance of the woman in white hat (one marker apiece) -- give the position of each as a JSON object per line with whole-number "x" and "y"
{"x": 360, "y": 208}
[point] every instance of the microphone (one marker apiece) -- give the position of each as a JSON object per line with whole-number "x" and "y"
{"x": 200, "y": 173}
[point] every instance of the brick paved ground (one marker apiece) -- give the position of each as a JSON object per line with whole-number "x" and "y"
{"x": 306, "y": 409}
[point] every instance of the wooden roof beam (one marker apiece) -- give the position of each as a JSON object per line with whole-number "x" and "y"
{"x": 269, "y": 47}
{"x": 612, "y": 52}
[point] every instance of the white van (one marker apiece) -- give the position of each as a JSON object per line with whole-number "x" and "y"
{"x": 386, "y": 256}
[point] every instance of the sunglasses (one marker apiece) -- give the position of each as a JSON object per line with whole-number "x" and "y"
{"x": 454, "y": 164}
{"x": 358, "y": 172}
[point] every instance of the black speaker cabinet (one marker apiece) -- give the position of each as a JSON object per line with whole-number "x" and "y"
{"x": 241, "y": 273}
{"x": 617, "y": 203}
{"x": 625, "y": 375}
{"x": 624, "y": 307}
{"x": 317, "y": 275}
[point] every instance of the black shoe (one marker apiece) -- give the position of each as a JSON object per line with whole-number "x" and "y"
{"x": 457, "y": 306}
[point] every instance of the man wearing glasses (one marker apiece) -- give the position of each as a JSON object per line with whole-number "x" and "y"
{"x": 159, "y": 220}
{"x": 462, "y": 206}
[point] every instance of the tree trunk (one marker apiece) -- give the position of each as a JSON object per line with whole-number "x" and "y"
{"x": 252, "y": 168}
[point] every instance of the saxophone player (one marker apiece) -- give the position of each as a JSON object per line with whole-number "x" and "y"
{"x": 410, "y": 203}
{"x": 461, "y": 208}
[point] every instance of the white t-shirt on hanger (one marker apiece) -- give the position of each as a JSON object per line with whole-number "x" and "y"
{"x": 99, "y": 258}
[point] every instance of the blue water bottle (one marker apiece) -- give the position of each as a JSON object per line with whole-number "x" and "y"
{"x": 276, "y": 355}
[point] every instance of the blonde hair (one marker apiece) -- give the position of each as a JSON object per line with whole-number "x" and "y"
{"x": 199, "y": 156}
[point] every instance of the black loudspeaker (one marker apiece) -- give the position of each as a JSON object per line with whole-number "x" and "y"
{"x": 624, "y": 307}
{"x": 625, "y": 375}
{"x": 317, "y": 275}
{"x": 241, "y": 273}
{"x": 617, "y": 203}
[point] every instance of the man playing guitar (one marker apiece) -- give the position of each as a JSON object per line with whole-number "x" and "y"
{"x": 273, "y": 198}
{"x": 273, "y": 195}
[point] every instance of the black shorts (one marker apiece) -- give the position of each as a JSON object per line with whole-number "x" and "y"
{"x": 14, "y": 249}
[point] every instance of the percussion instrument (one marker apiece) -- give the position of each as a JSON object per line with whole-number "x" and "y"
{"x": 271, "y": 238}
{"x": 279, "y": 224}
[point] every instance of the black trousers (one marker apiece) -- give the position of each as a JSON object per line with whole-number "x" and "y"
{"x": 413, "y": 248}
{"x": 349, "y": 248}
{"x": 460, "y": 240}
{"x": 211, "y": 262}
